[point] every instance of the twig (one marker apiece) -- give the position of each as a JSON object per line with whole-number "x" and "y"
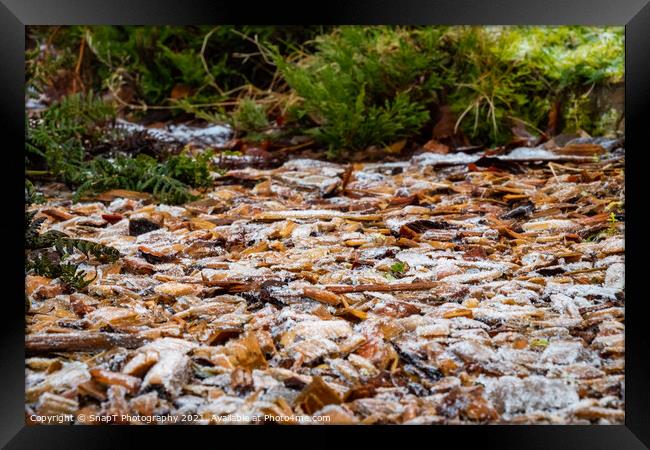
{"x": 259, "y": 46}
{"x": 347, "y": 175}
{"x": 517, "y": 119}
{"x": 296, "y": 147}
{"x": 550, "y": 165}
{"x": 213, "y": 82}
{"x": 80, "y": 342}
{"x": 36, "y": 173}
{"x": 77, "y": 68}
{"x": 562, "y": 166}
{"x": 419, "y": 286}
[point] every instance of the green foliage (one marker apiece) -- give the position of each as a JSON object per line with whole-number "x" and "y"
{"x": 488, "y": 86}
{"x": 46, "y": 253}
{"x": 373, "y": 85}
{"x": 56, "y": 139}
{"x": 605, "y": 124}
{"x": 31, "y": 194}
{"x": 503, "y": 74}
{"x": 570, "y": 56}
{"x": 398, "y": 268}
{"x": 64, "y": 245}
{"x": 576, "y": 112}
{"x": 68, "y": 273}
{"x": 539, "y": 342}
{"x": 169, "y": 181}
{"x": 32, "y": 234}
{"x": 67, "y": 246}
{"x": 191, "y": 170}
{"x": 350, "y": 87}
{"x": 51, "y": 52}
{"x": 250, "y": 117}
{"x": 366, "y": 85}
{"x": 153, "y": 60}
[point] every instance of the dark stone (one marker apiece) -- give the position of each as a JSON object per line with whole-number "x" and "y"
{"x": 141, "y": 226}
{"x": 294, "y": 383}
{"x": 266, "y": 294}
{"x": 550, "y": 271}
{"x": 520, "y": 212}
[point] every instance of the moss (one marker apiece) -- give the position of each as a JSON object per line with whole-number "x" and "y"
{"x": 506, "y": 73}
{"x": 493, "y": 77}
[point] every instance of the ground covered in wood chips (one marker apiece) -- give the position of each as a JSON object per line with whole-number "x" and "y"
{"x": 449, "y": 288}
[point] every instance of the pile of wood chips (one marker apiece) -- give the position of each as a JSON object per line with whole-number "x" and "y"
{"x": 446, "y": 289}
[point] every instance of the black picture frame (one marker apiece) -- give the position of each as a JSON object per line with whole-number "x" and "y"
{"x": 633, "y": 14}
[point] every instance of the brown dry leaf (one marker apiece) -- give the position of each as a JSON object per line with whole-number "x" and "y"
{"x": 246, "y": 353}
{"x": 57, "y": 213}
{"x": 396, "y": 147}
{"x": 436, "y": 147}
{"x": 180, "y": 91}
{"x": 33, "y": 282}
{"x": 114, "y": 378}
{"x": 111, "y": 195}
{"x": 141, "y": 363}
{"x": 174, "y": 289}
{"x": 316, "y": 395}
{"x": 323, "y": 296}
{"x": 446, "y": 124}
{"x": 581, "y": 149}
